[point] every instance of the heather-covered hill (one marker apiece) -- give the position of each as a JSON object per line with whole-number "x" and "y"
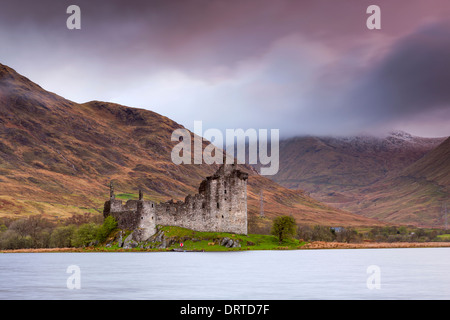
{"x": 57, "y": 158}
{"x": 398, "y": 178}
{"x": 415, "y": 195}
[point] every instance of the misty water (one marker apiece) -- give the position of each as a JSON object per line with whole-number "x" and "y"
{"x": 302, "y": 274}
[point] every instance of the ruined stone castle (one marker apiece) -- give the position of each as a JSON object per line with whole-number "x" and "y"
{"x": 220, "y": 205}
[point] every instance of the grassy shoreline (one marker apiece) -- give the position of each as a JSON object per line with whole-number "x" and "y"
{"x": 178, "y": 239}
{"x": 315, "y": 245}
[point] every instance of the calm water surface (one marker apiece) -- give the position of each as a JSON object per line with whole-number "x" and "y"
{"x": 302, "y": 274}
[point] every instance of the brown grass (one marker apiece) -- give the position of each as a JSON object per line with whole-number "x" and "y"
{"x": 315, "y": 245}
{"x": 366, "y": 245}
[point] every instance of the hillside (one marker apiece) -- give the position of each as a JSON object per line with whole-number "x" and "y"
{"x": 57, "y": 158}
{"x": 415, "y": 195}
{"x": 351, "y": 173}
{"x": 435, "y": 166}
{"x": 319, "y": 164}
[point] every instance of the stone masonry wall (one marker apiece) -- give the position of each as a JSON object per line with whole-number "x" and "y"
{"x": 220, "y": 206}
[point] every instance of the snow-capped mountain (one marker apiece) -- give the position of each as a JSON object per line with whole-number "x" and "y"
{"x": 340, "y": 170}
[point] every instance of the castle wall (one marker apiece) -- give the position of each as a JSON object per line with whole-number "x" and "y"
{"x": 220, "y": 206}
{"x": 188, "y": 214}
{"x": 126, "y": 215}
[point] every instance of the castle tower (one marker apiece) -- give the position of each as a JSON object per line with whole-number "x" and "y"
{"x": 226, "y": 199}
{"x": 146, "y": 218}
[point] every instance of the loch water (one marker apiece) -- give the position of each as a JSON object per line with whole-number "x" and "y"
{"x": 413, "y": 273}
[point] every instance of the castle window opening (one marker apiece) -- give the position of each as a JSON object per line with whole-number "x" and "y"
{"x": 218, "y": 205}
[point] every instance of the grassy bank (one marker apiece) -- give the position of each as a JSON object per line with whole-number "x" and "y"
{"x": 316, "y": 245}
{"x": 190, "y": 240}
{"x": 182, "y": 239}
{"x": 211, "y": 241}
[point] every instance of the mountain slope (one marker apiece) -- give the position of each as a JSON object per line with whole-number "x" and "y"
{"x": 415, "y": 195}
{"x": 321, "y": 163}
{"x": 435, "y": 166}
{"x": 57, "y": 157}
{"x": 349, "y": 173}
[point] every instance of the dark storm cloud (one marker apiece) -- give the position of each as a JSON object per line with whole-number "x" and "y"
{"x": 302, "y": 66}
{"x": 193, "y": 35}
{"x": 414, "y": 78}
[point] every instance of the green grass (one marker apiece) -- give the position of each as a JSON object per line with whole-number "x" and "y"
{"x": 203, "y": 241}
{"x": 444, "y": 237}
{"x": 127, "y": 196}
{"x": 210, "y": 241}
{"x": 134, "y": 196}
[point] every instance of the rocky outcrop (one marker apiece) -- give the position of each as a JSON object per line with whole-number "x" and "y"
{"x": 230, "y": 243}
{"x": 160, "y": 240}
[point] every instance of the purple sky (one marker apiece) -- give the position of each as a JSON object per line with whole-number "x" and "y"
{"x": 304, "y": 67}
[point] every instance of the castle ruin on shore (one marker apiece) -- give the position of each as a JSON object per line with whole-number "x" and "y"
{"x": 220, "y": 206}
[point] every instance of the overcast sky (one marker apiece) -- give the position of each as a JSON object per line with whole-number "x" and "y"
{"x": 304, "y": 67}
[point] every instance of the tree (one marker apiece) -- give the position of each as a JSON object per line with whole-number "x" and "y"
{"x": 11, "y": 239}
{"x": 37, "y": 228}
{"x": 322, "y": 233}
{"x": 304, "y": 233}
{"x": 347, "y": 235}
{"x": 85, "y": 234}
{"x": 62, "y": 236}
{"x": 109, "y": 225}
{"x": 284, "y": 227}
